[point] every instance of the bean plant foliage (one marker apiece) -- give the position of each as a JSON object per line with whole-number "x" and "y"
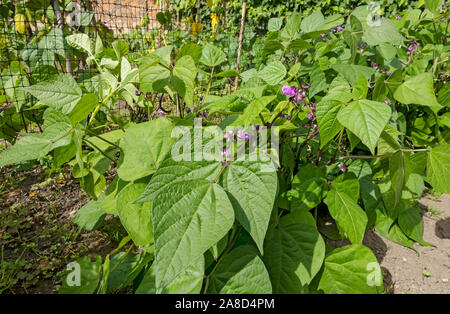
{"x": 353, "y": 109}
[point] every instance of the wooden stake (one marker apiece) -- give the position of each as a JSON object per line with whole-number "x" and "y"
{"x": 241, "y": 37}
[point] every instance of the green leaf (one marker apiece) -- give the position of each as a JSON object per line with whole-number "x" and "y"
{"x": 188, "y": 282}
{"x": 90, "y": 215}
{"x": 183, "y": 78}
{"x": 212, "y": 56}
{"x": 227, "y": 73}
{"x": 145, "y": 146}
{"x": 299, "y": 44}
{"x": 241, "y": 272}
{"x": 35, "y": 146}
{"x": 308, "y": 188}
{"x": 411, "y": 224}
{"x": 153, "y": 75}
{"x": 387, "y": 228}
{"x": 252, "y": 111}
{"x": 352, "y": 269}
{"x": 81, "y": 42}
{"x": 312, "y": 22}
{"x": 292, "y": 27}
{"x": 253, "y": 194}
{"x": 61, "y": 93}
{"x": 360, "y": 88}
{"x": 438, "y": 168}
{"x": 275, "y": 24}
{"x": 326, "y": 113}
{"x": 189, "y": 216}
{"x": 135, "y": 217}
{"x": 418, "y": 90}
{"x": 89, "y": 275}
{"x": 83, "y": 108}
{"x": 130, "y": 266}
{"x": 273, "y": 73}
{"x": 294, "y": 253}
{"x": 352, "y": 72}
{"x": 399, "y": 172}
{"x": 350, "y": 218}
{"x": 347, "y": 183}
{"x": 366, "y": 119}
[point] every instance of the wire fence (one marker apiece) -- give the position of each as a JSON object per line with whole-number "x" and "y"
{"x": 33, "y": 47}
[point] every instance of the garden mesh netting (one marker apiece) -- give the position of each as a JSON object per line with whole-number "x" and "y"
{"x": 33, "y": 46}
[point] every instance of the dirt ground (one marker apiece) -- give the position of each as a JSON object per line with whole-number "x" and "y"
{"x": 429, "y": 272}
{"x": 38, "y": 238}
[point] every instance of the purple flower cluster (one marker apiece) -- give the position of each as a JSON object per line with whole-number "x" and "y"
{"x": 385, "y": 70}
{"x": 342, "y": 167}
{"x": 413, "y": 46}
{"x": 398, "y": 17}
{"x": 295, "y": 94}
{"x": 338, "y": 29}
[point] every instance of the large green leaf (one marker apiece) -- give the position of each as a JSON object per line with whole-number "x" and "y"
{"x": 438, "y": 168}
{"x": 309, "y": 186}
{"x": 183, "y": 78}
{"x": 352, "y": 269}
{"x": 34, "y": 146}
{"x": 273, "y": 73}
{"x": 327, "y": 121}
{"x": 352, "y": 72}
{"x": 135, "y": 217}
{"x": 313, "y": 22}
{"x": 418, "y": 90}
{"x": 212, "y": 56}
{"x": 350, "y": 218}
{"x": 81, "y": 42}
{"x": 410, "y": 221}
{"x": 252, "y": 111}
{"x": 241, "y": 272}
{"x": 188, "y": 282}
{"x": 366, "y": 119}
{"x": 294, "y": 253}
{"x": 189, "y": 216}
{"x": 83, "y": 108}
{"x": 61, "y": 93}
{"x": 399, "y": 172}
{"x": 253, "y": 194}
{"x": 154, "y": 75}
{"x": 145, "y": 146}
{"x": 87, "y": 272}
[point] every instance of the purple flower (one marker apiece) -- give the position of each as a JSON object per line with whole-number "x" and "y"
{"x": 442, "y": 19}
{"x": 310, "y": 116}
{"x": 375, "y": 65}
{"x": 287, "y": 117}
{"x": 225, "y": 153}
{"x": 339, "y": 28}
{"x": 342, "y": 167}
{"x": 389, "y": 73}
{"x": 138, "y": 93}
{"x": 443, "y": 38}
{"x": 194, "y": 108}
{"x": 313, "y": 106}
{"x": 306, "y": 85}
{"x": 243, "y": 135}
{"x": 323, "y": 35}
{"x": 351, "y": 6}
{"x": 333, "y": 30}
{"x": 289, "y": 90}
{"x": 398, "y": 17}
{"x": 205, "y": 114}
{"x": 148, "y": 95}
{"x": 161, "y": 114}
{"x": 188, "y": 110}
{"x": 256, "y": 127}
{"x": 387, "y": 102}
